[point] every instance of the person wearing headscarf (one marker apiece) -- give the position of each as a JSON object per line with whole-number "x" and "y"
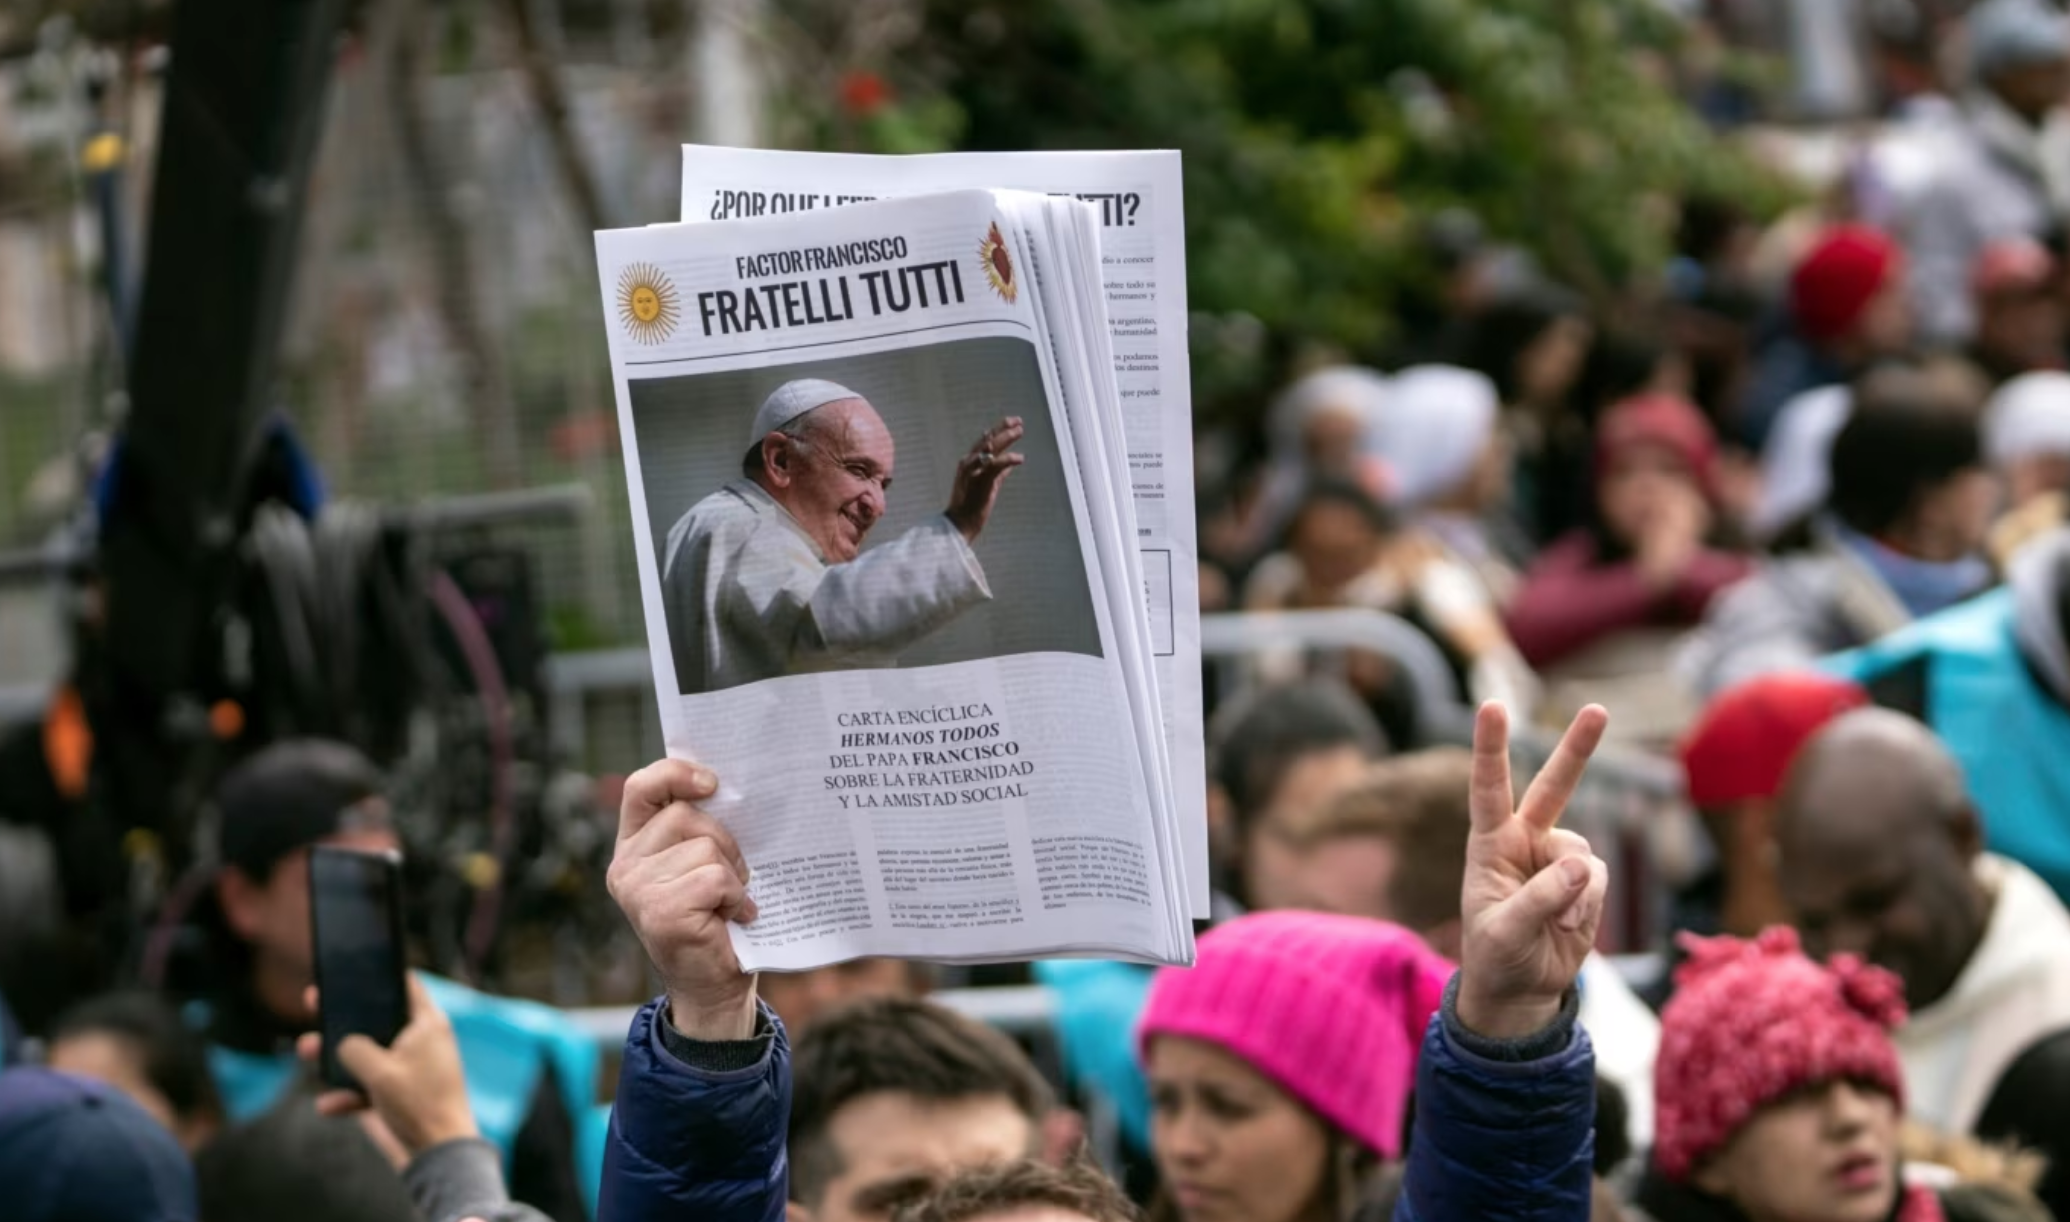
{"x": 1319, "y": 430}
{"x": 2027, "y": 441}
{"x": 2004, "y": 163}
{"x": 1779, "y": 1095}
{"x": 2027, "y": 435}
{"x": 1646, "y": 561}
{"x": 1449, "y": 463}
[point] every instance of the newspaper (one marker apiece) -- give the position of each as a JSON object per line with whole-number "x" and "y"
{"x": 888, "y": 556}
{"x": 1143, "y": 233}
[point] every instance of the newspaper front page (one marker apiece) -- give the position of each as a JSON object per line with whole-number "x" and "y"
{"x": 885, "y": 568}
{"x": 1142, "y": 227}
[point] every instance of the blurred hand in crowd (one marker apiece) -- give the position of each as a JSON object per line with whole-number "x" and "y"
{"x": 415, "y": 1085}
{"x": 680, "y": 878}
{"x": 1534, "y": 891}
{"x": 1672, "y": 534}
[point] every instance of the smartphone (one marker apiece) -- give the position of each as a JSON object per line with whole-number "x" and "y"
{"x": 355, "y": 916}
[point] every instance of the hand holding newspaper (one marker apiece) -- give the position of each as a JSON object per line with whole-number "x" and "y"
{"x": 886, "y": 543}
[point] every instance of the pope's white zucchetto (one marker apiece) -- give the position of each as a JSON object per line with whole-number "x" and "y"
{"x": 792, "y": 400}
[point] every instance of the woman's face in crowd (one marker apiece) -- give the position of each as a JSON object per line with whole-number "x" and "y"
{"x": 1231, "y": 1145}
{"x": 1640, "y": 485}
{"x": 1335, "y": 543}
{"x": 1827, "y": 1153}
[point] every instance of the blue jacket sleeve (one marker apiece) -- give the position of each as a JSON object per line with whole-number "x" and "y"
{"x": 690, "y": 1143}
{"x": 1500, "y": 1140}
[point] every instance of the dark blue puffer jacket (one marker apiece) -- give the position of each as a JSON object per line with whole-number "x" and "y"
{"x": 1495, "y": 1140}
{"x": 1503, "y": 1133}
{"x": 695, "y": 1144}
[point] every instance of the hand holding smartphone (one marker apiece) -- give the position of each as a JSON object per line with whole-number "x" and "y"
{"x": 355, "y": 914}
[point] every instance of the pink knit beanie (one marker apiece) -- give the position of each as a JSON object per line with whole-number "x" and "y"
{"x": 1752, "y": 1021}
{"x": 1331, "y": 1008}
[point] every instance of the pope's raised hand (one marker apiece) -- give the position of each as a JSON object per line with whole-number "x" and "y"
{"x": 980, "y": 473}
{"x": 680, "y": 877}
{"x": 1534, "y": 891}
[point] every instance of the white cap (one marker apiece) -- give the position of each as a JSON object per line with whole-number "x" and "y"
{"x": 1432, "y": 429}
{"x": 2029, "y": 416}
{"x": 2013, "y": 33}
{"x": 792, "y": 400}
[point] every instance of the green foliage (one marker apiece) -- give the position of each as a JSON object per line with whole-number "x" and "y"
{"x": 1319, "y": 133}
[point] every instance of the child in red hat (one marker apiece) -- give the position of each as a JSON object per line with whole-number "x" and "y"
{"x": 1779, "y": 1097}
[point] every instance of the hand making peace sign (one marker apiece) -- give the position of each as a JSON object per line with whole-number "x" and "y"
{"x": 1534, "y": 891}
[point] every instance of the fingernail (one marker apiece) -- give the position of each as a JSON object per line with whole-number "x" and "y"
{"x": 1573, "y": 872}
{"x": 703, "y": 777}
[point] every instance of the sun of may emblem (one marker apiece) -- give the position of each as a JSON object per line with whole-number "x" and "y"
{"x": 998, "y": 265}
{"x": 647, "y": 303}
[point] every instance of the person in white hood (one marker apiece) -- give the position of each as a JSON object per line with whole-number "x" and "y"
{"x": 768, "y": 576}
{"x": 2027, "y": 435}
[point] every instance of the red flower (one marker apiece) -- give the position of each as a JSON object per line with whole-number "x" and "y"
{"x": 864, "y": 93}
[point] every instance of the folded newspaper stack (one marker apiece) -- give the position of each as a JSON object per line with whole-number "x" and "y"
{"x": 888, "y": 551}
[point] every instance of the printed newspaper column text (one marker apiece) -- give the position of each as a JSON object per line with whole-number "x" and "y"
{"x": 809, "y": 896}
{"x": 904, "y": 764}
{"x": 1082, "y": 869}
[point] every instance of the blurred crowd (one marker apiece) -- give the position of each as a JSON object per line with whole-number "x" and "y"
{"x": 1797, "y": 515}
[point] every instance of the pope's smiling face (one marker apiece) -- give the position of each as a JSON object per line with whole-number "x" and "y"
{"x": 833, "y": 475}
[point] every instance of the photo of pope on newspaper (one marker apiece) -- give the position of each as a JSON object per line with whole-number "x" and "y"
{"x": 902, "y": 508}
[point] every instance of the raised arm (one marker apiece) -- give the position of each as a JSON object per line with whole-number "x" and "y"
{"x": 1505, "y": 1089}
{"x": 704, "y": 1096}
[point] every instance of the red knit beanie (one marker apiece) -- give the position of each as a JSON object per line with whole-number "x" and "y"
{"x": 1741, "y": 746}
{"x": 1672, "y": 423}
{"x": 1837, "y": 279}
{"x": 1751, "y": 1022}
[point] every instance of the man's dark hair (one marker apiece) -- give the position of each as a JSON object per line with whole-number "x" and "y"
{"x": 1257, "y": 737}
{"x": 174, "y": 1059}
{"x": 1909, "y": 432}
{"x": 896, "y": 1044}
{"x": 1077, "y": 1187}
{"x": 293, "y": 1163}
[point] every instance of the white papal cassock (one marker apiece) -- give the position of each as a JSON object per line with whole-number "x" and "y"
{"x": 750, "y": 596}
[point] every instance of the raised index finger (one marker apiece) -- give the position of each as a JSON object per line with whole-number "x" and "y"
{"x": 658, "y": 786}
{"x": 1555, "y": 783}
{"x": 1491, "y": 798}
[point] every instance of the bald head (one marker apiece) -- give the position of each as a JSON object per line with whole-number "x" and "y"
{"x": 1877, "y": 843}
{"x": 831, "y": 468}
{"x": 1869, "y": 773}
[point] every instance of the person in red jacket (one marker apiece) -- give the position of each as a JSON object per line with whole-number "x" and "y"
{"x": 1646, "y": 561}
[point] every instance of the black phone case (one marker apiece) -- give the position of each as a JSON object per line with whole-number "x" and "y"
{"x": 333, "y": 1073}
